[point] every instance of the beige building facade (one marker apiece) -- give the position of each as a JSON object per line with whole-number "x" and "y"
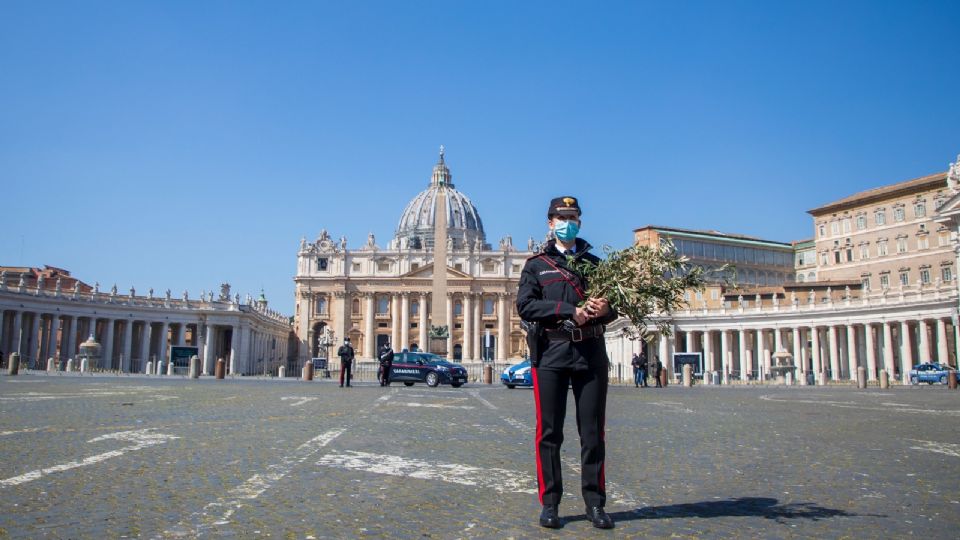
{"x": 839, "y": 314}
{"x": 384, "y": 293}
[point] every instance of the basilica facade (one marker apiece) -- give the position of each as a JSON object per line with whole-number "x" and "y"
{"x": 385, "y": 293}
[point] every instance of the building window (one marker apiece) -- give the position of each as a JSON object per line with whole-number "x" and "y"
{"x": 881, "y": 248}
{"x": 488, "y": 306}
{"x": 322, "y": 264}
{"x": 904, "y": 278}
{"x": 835, "y": 227}
{"x": 884, "y": 282}
{"x": 943, "y": 239}
{"x": 846, "y": 225}
{"x": 836, "y": 257}
{"x": 321, "y": 306}
{"x": 457, "y": 308}
{"x": 823, "y": 231}
{"x": 865, "y": 283}
{"x": 715, "y": 293}
{"x": 861, "y": 223}
{"x": 356, "y": 306}
{"x": 516, "y": 269}
{"x": 458, "y": 267}
{"x": 800, "y": 278}
{"x": 414, "y": 308}
{"x": 946, "y": 273}
{"x": 898, "y": 214}
{"x": 901, "y": 245}
{"x": 880, "y": 217}
{"x": 686, "y": 296}
{"x": 923, "y": 243}
{"x": 925, "y": 275}
{"x": 414, "y": 266}
{"x": 864, "y": 252}
{"x": 383, "y": 305}
{"x": 823, "y": 259}
{"x": 920, "y": 209}
{"x": 356, "y": 267}
{"x": 849, "y": 255}
{"x": 488, "y": 267}
{"x": 383, "y": 266}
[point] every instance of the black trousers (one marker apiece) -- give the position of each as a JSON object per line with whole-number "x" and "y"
{"x": 590, "y": 395}
{"x": 384, "y": 374}
{"x": 346, "y": 368}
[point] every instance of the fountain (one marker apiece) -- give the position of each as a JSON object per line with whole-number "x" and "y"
{"x": 782, "y": 368}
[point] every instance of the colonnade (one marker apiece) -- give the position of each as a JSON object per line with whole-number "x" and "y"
{"x": 830, "y": 352}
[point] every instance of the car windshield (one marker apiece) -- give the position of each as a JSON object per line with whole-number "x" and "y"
{"x": 431, "y": 358}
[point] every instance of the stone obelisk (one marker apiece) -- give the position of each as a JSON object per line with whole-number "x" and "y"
{"x": 438, "y": 311}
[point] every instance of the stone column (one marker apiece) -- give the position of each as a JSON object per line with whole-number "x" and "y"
{"x": 108, "y": 344}
{"x": 404, "y": 321}
{"x": 503, "y": 323}
{"x": 162, "y": 350}
{"x": 450, "y": 325}
{"x": 778, "y": 340}
{"x": 743, "y": 354}
{"x": 906, "y": 353}
{"x": 72, "y": 338}
{"x": 815, "y": 352}
{"x": 664, "y": 351}
{"x": 707, "y": 352}
{"x": 468, "y": 353}
{"x": 852, "y": 360}
{"x": 341, "y": 321}
{"x": 32, "y": 358}
{"x": 181, "y": 334}
{"x": 688, "y": 341}
{"x": 834, "y": 354}
{"x": 798, "y": 355}
{"x": 424, "y": 346}
{"x": 369, "y": 339}
{"x": 209, "y": 354}
{"x": 943, "y": 356}
{"x": 725, "y": 352}
{"x": 888, "y": 349}
{"x": 146, "y": 335}
{"x": 245, "y": 363}
{"x": 2, "y": 326}
{"x": 54, "y": 337}
{"x": 923, "y": 345}
{"x": 91, "y": 331}
{"x": 395, "y": 321}
{"x": 871, "y": 352}
{"x": 127, "y": 345}
{"x": 478, "y": 328}
{"x": 765, "y": 341}
{"x": 17, "y": 333}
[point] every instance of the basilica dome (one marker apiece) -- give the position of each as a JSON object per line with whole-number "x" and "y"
{"x": 416, "y": 227}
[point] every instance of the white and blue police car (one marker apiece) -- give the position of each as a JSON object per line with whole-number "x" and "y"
{"x": 517, "y": 375}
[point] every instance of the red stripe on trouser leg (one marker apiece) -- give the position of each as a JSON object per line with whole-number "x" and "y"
{"x": 539, "y": 435}
{"x": 603, "y": 463}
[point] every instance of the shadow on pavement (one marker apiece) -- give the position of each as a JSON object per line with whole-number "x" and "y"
{"x": 765, "y": 507}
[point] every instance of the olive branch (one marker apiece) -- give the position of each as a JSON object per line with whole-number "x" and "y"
{"x": 642, "y": 281}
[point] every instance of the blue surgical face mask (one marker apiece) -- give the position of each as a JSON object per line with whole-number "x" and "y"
{"x": 566, "y": 231}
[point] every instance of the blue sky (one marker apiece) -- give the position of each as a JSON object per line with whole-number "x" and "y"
{"x": 181, "y": 144}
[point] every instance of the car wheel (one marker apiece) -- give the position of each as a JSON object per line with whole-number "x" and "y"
{"x": 456, "y": 385}
{"x": 408, "y": 383}
{"x": 943, "y": 379}
{"x": 433, "y": 379}
{"x": 511, "y": 386}
{"x": 913, "y": 380}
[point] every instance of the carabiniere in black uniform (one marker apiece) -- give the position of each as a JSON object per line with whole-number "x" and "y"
{"x": 549, "y": 292}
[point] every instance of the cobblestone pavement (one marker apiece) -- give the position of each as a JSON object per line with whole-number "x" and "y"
{"x": 111, "y": 457}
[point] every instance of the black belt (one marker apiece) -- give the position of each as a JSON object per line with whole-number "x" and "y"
{"x": 579, "y": 333}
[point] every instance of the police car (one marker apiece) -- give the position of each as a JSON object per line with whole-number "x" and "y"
{"x": 517, "y": 375}
{"x": 930, "y": 373}
{"x": 413, "y": 367}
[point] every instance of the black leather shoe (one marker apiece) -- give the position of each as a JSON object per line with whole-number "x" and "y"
{"x": 549, "y": 517}
{"x": 600, "y": 519}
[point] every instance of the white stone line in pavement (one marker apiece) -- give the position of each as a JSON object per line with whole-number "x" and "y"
{"x": 948, "y": 449}
{"x": 435, "y": 405}
{"x": 28, "y": 430}
{"x": 483, "y": 400}
{"x": 37, "y": 396}
{"x": 518, "y": 424}
{"x": 300, "y": 400}
{"x": 671, "y": 406}
{"x": 500, "y": 480}
{"x": 142, "y": 438}
{"x": 854, "y": 405}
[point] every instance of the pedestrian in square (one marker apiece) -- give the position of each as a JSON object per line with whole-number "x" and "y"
{"x": 346, "y": 354}
{"x": 567, "y": 332}
{"x": 635, "y": 363}
{"x": 658, "y": 371}
{"x": 386, "y": 364}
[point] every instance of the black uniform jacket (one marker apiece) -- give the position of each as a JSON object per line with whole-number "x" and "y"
{"x": 386, "y": 356}
{"x": 345, "y": 352}
{"x": 549, "y": 293}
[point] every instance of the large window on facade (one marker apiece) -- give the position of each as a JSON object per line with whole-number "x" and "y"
{"x": 943, "y": 239}
{"x": 846, "y": 225}
{"x": 881, "y": 248}
{"x": 321, "y": 306}
{"x": 925, "y": 275}
{"x": 923, "y": 242}
{"x": 885, "y": 281}
{"x": 880, "y": 217}
{"x": 488, "y": 306}
{"x": 898, "y": 214}
{"x": 383, "y": 305}
{"x": 920, "y": 209}
{"x": 865, "y": 283}
{"x": 823, "y": 230}
{"x": 849, "y": 254}
{"x": 901, "y": 245}
{"x": 861, "y": 222}
{"x": 457, "y": 308}
{"x": 322, "y": 264}
{"x": 414, "y": 308}
{"x": 904, "y": 278}
{"x": 946, "y": 274}
{"x": 864, "y": 252}
{"x": 836, "y": 257}
{"x": 835, "y": 227}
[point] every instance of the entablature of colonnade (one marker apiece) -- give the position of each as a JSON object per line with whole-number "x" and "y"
{"x": 874, "y": 309}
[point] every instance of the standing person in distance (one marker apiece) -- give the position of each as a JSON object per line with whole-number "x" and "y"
{"x": 346, "y": 354}
{"x": 568, "y": 349}
{"x": 635, "y": 363}
{"x": 386, "y": 364}
{"x": 643, "y": 369}
{"x": 658, "y": 371}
